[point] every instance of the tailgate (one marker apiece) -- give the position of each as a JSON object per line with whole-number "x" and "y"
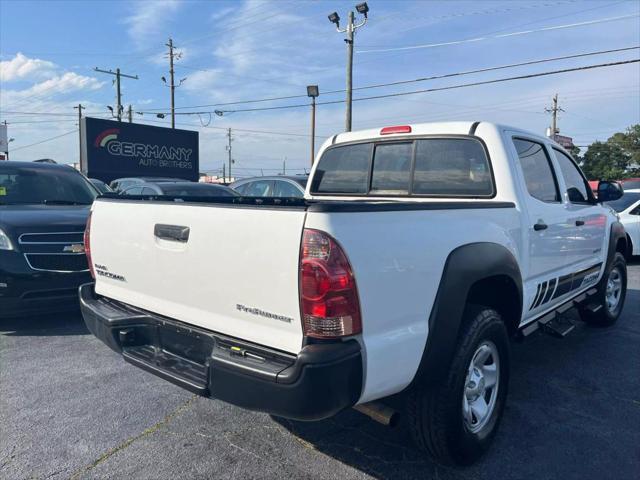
{"x": 236, "y": 273}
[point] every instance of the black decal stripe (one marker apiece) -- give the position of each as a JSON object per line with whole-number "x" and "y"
{"x": 542, "y": 293}
{"x": 578, "y": 277}
{"x": 564, "y": 286}
{"x": 550, "y": 290}
{"x": 573, "y": 281}
{"x": 535, "y": 298}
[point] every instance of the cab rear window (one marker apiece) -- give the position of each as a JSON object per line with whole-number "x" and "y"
{"x": 441, "y": 167}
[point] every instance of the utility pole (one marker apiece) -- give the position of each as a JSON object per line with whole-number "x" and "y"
{"x": 284, "y": 166}
{"x": 230, "y": 139}
{"x": 130, "y": 113}
{"x": 350, "y": 30}
{"x": 79, "y": 107}
{"x": 9, "y": 140}
{"x": 224, "y": 174}
{"x": 117, "y": 74}
{"x": 554, "y": 116}
{"x": 172, "y": 86}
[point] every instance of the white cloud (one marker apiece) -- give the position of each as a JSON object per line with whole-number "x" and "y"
{"x": 221, "y": 14}
{"x": 22, "y": 67}
{"x": 201, "y": 80}
{"x": 67, "y": 82}
{"x": 149, "y": 18}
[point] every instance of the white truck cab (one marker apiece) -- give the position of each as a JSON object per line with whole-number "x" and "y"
{"x": 417, "y": 252}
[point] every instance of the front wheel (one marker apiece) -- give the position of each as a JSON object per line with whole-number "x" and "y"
{"x": 456, "y": 420}
{"x": 612, "y": 291}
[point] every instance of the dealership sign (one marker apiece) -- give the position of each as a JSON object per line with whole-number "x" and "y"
{"x": 566, "y": 142}
{"x": 113, "y": 150}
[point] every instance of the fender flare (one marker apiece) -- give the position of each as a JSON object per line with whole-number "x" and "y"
{"x": 617, "y": 232}
{"x": 465, "y": 266}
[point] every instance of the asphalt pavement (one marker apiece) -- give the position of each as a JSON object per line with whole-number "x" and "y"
{"x": 72, "y": 408}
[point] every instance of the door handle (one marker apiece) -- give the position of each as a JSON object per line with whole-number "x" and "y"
{"x": 579, "y": 223}
{"x": 175, "y": 233}
{"x": 540, "y": 226}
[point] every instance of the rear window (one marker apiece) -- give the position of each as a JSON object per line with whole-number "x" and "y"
{"x": 343, "y": 170}
{"x": 392, "y": 168}
{"x": 456, "y": 167}
{"x": 435, "y": 166}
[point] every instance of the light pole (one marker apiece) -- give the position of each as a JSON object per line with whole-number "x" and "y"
{"x": 313, "y": 92}
{"x": 350, "y": 30}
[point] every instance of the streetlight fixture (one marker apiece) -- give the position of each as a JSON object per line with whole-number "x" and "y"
{"x": 335, "y": 18}
{"x": 313, "y": 91}
{"x": 363, "y": 9}
{"x": 350, "y": 30}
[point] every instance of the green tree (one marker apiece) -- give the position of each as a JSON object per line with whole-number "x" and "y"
{"x": 605, "y": 161}
{"x": 575, "y": 153}
{"x": 629, "y": 142}
{"x": 615, "y": 159}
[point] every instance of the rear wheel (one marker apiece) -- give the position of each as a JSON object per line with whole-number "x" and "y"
{"x": 456, "y": 420}
{"x": 612, "y": 291}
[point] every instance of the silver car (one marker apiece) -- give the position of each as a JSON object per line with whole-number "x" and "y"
{"x": 275, "y": 186}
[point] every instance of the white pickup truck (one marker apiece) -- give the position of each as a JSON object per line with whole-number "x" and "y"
{"x": 417, "y": 252}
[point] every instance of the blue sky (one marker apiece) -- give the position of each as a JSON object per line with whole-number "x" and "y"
{"x": 254, "y": 49}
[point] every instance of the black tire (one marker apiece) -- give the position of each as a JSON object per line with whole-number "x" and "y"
{"x": 435, "y": 412}
{"x": 606, "y": 316}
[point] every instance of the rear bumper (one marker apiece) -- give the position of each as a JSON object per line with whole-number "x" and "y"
{"x": 320, "y": 381}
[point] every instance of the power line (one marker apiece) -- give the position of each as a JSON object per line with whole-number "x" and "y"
{"x": 450, "y": 87}
{"x": 45, "y": 140}
{"x": 504, "y": 35}
{"x": 415, "y": 80}
{"x": 428, "y": 90}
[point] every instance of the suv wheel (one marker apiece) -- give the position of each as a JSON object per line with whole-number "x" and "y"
{"x": 612, "y": 291}
{"x": 455, "y": 420}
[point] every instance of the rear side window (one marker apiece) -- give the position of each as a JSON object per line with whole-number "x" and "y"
{"x": 285, "y": 189}
{"x": 433, "y": 166}
{"x": 452, "y": 166}
{"x": 536, "y": 168}
{"x": 259, "y": 188}
{"x": 133, "y": 191}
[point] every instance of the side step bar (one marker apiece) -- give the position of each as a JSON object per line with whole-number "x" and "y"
{"x": 555, "y": 322}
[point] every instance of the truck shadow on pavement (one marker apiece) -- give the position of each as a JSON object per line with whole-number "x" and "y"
{"x": 570, "y": 414}
{"x": 57, "y": 324}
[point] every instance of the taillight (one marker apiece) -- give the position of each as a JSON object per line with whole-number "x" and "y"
{"x": 328, "y": 293}
{"x": 87, "y": 245}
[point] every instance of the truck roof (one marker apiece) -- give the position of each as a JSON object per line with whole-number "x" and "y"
{"x": 430, "y": 128}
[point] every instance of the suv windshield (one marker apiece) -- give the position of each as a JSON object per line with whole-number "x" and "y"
{"x": 48, "y": 186}
{"x": 624, "y": 202}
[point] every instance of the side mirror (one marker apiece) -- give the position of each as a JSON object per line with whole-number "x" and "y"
{"x": 609, "y": 191}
